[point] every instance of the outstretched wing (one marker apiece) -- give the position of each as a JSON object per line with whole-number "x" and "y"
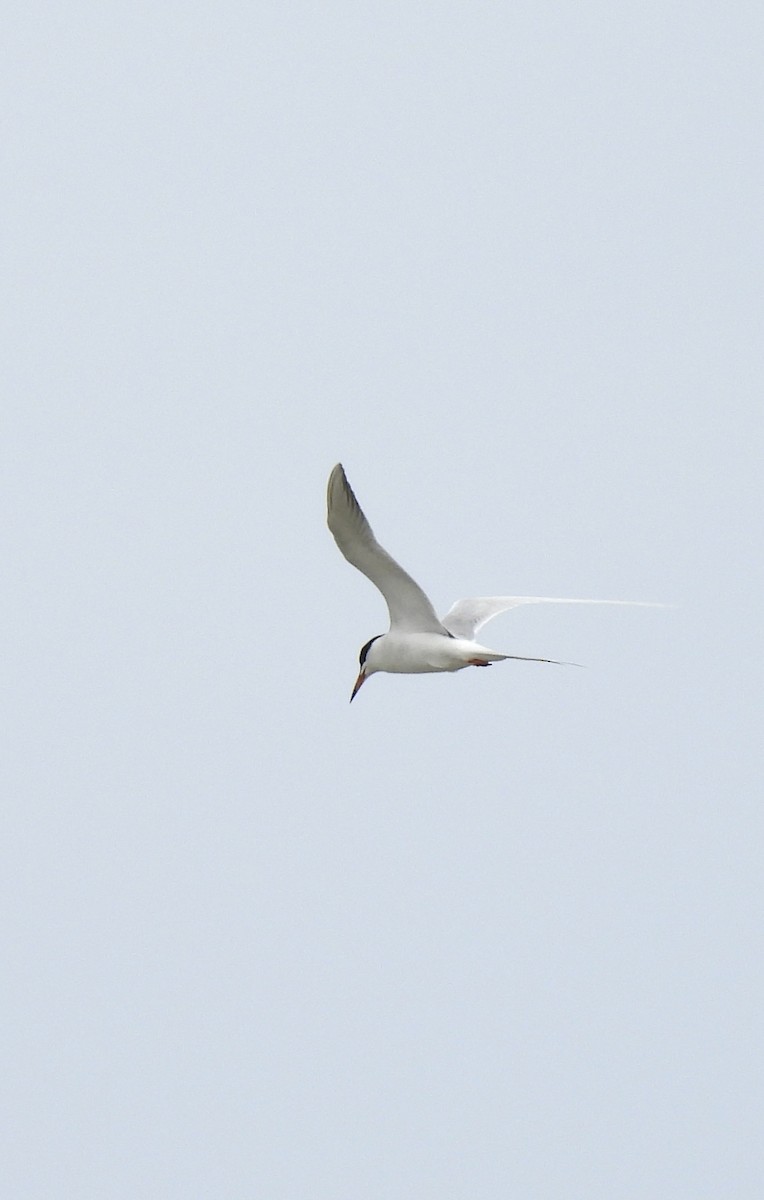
{"x": 467, "y": 616}
{"x": 409, "y": 607}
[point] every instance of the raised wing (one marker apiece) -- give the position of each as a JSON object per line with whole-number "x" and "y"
{"x": 466, "y": 616}
{"x": 409, "y": 607}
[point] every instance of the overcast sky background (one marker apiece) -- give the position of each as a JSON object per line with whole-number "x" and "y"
{"x": 495, "y": 934}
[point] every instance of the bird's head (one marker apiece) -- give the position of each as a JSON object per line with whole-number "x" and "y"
{"x": 367, "y": 666}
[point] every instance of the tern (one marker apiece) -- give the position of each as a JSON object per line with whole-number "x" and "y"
{"x": 418, "y": 641}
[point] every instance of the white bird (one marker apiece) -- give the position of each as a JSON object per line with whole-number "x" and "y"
{"x": 418, "y": 641}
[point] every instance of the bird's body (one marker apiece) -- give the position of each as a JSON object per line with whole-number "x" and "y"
{"x": 418, "y": 641}
{"x": 402, "y": 653}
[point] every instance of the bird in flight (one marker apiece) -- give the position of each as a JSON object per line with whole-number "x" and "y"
{"x": 418, "y": 641}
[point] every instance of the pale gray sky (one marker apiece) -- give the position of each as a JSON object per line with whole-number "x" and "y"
{"x": 489, "y": 935}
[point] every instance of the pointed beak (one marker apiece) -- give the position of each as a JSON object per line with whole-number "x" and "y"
{"x": 361, "y": 679}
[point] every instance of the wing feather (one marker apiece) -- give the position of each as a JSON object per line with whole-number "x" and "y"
{"x": 409, "y": 607}
{"x": 467, "y": 616}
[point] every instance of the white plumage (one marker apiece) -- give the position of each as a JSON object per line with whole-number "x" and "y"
{"x": 418, "y": 641}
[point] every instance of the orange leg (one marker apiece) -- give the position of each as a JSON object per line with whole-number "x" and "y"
{"x": 478, "y": 662}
